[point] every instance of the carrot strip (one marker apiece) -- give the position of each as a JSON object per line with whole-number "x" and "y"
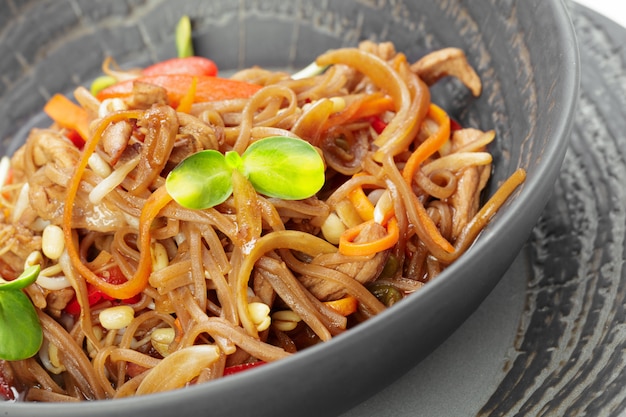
{"x": 344, "y": 306}
{"x": 68, "y": 115}
{"x": 361, "y": 203}
{"x": 187, "y": 100}
{"x": 179, "y": 330}
{"x": 159, "y": 199}
{"x": 370, "y": 105}
{"x": 177, "y": 85}
{"x": 347, "y": 246}
{"x": 427, "y": 148}
{"x": 431, "y": 144}
{"x": 374, "y": 106}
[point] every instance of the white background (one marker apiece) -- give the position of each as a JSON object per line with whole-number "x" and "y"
{"x": 614, "y": 9}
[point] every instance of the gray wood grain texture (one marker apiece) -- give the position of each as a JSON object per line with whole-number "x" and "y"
{"x": 569, "y": 359}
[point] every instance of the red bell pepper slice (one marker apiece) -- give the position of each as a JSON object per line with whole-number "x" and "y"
{"x": 454, "y": 125}
{"x": 242, "y": 367}
{"x": 112, "y": 275}
{"x": 76, "y": 138}
{"x": 377, "y": 124}
{"x": 69, "y": 115}
{"x": 7, "y": 386}
{"x": 192, "y": 65}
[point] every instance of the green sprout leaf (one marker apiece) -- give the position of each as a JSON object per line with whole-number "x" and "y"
{"x": 200, "y": 181}
{"x": 27, "y": 277}
{"x": 284, "y": 167}
{"x": 277, "y": 166}
{"x": 20, "y": 331}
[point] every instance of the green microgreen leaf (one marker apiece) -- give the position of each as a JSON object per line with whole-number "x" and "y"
{"x": 284, "y": 167}
{"x": 233, "y": 160}
{"x": 201, "y": 180}
{"x": 277, "y": 166}
{"x": 184, "y": 45}
{"x": 20, "y": 331}
{"x": 27, "y": 277}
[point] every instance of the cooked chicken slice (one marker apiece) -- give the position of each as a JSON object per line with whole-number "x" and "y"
{"x": 211, "y": 137}
{"x": 49, "y": 169}
{"x": 115, "y": 140}
{"x": 57, "y": 300}
{"x": 470, "y": 183}
{"x": 146, "y": 95}
{"x": 448, "y": 62}
{"x": 17, "y": 243}
{"x": 160, "y": 125}
{"x": 362, "y": 271}
{"x": 385, "y": 50}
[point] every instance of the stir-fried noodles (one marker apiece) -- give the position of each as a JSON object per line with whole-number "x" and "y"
{"x": 134, "y": 284}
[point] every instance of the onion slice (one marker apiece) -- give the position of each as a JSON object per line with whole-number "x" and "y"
{"x": 179, "y": 368}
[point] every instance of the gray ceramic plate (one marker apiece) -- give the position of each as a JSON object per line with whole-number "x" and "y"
{"x": 525, "y": 53}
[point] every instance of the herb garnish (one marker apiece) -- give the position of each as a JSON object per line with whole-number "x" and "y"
{"x": 277, "y": 166}
{"x": 20, "y": 331}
